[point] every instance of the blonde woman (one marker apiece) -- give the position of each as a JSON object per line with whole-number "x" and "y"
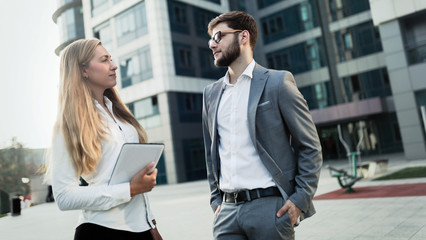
{"x": 92, "y": 125}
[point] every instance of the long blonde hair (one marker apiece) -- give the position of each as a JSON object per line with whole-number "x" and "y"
{"x": 78, "y": 118}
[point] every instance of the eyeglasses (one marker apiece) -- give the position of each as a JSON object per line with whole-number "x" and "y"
{"x": 218, "y": 35}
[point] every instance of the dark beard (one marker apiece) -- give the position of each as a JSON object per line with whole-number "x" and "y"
{"x": 232, "y": 53}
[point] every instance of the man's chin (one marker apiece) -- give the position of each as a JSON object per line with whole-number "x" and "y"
{"x": 218, "y": 63}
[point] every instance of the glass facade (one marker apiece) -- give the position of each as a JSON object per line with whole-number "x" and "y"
{"x": 421, "y": 102}
{"x": 357, "y": 41}
{"x": 183, "y": 59}
{"x": 99, "y": 6}
{"x": 136, "y": 67}
{"x": 202, "y": 19}
{"x": 178, "y": 13}
{"x": 195, "y": 164}
{"x": 61, "y": 3}
{"x": 190, "y": 106}
{"x": 161, "y": 174}
{"x": 214, "y": 1}
{"x": 103, "y": 33}
{"x": 265, "y": 3}
{"x": 131, "y": 24}
{"x": 380, "y": 135}
{"x": 339, "y": 9}
{"x": 369, "y": 84}
{"x": 71, "y": 24}
{"x": 191, "y": 54}
{"x": 290, "y": 21}
{"x": 146, "y": 112}
{"x": 208, "y": 69}
{"x": 414, "y": 28}
{"x": 318, "y": 95}
{"x": 302, "y": 57}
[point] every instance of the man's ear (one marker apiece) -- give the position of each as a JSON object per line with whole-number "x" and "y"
{"x": 245, "y": 37}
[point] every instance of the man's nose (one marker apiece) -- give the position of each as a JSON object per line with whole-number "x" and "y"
{"x": 212, "y": 44}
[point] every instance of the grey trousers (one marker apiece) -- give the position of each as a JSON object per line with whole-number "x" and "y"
{"x": 255, "y": 220}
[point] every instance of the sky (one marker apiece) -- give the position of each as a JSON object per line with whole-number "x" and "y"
{"x": 29, "y": 72}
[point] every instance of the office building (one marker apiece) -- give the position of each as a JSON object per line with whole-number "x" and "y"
{"x": 349, "y": 62}
{"x": 69, "y": 18}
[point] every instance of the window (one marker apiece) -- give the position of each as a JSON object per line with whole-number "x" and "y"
{"x": 298, "y": 58}
{"x": 415, "y": 38}
{"x": 304, "y": 14}
{"x": 348, "y": 41}
{"x": 146, "y": 112}
{"x": 71, "y": 24}
{"x": 183, "y": 59}
{"x": 131, "y": 24}
{"x": 357, "y": 41}
{"x": 313, "y": 54}
{"x": 99, "y": 6}
{"x": 136, "y": 68}
{"x": 207, "y": 67}
{"x": 290, "y": 21}
{"x": 202, "y": 19}
{"x": 178, "y": 17}
{"x": 317, "y": 95}
{"x": 190, "y": 107}
{"x": 195, "y": 166}
{"x": 340, "y": 9}
{"x": 61, "y": 3}
{"x": 265, "y": 3}
{"x": 369, "y": 84}
{"x": 103, "y": 33}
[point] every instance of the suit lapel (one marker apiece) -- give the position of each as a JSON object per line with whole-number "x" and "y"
{"x": 216, "y": 96}
{"x": 256, "y": 89}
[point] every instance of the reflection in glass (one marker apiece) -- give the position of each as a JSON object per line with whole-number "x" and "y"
{"x": 131, "y": 24}
{"x": 99, "y": 6}
{"x": 136, "y": 68}
{"x": 103, "y": 33}
{"x": 146, "y": 111}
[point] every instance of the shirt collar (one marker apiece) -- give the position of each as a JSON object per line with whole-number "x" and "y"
{"x": 108, "y": 103}
{"x": 247, "y": 72}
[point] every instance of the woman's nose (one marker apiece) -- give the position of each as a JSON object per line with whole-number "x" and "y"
{"x": 113, "y": 66}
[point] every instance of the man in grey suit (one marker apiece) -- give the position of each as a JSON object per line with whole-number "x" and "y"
{"x": 263, "y": 153}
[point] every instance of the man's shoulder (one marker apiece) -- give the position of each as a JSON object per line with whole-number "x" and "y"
{"x": 213, "y": 85}
{"x": 272, "y": 72}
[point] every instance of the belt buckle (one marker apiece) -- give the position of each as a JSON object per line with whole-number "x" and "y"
{"x": 235, "y": 198}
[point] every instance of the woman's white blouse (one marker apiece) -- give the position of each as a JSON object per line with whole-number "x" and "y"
{"x": 106, "y": 205}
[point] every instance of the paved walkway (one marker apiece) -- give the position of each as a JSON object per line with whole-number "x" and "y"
{"x": 183, "y": 212}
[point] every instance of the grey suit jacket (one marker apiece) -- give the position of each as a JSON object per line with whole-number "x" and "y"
{"x": 278, "y": 118}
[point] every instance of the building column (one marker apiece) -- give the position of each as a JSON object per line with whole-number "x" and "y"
{"x": 402, "y": 89}
{"x": 161, "y": 56}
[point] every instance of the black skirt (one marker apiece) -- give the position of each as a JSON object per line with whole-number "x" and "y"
{"x": 90, "y": 231}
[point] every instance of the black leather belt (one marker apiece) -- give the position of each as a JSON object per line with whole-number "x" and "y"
{"x": 249, "y": 195}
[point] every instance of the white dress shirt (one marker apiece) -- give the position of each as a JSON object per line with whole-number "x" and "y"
{"x": 109, "y": 206}
{"x": 240, "y": 164}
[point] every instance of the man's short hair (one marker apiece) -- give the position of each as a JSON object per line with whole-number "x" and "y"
{"x": 237, "y": 20}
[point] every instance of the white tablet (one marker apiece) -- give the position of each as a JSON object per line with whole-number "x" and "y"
{"x": 134, "y": 157}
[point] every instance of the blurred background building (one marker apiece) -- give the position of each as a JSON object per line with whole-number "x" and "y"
{"x": 358, "y": 63}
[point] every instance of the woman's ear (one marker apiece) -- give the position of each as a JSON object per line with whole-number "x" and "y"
{"x": 84, "y": 72}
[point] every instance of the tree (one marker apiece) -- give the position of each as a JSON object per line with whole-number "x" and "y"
{"x": 13, "y": 168}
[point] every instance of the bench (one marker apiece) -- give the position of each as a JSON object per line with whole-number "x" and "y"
{"x": 371, "y": 168}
